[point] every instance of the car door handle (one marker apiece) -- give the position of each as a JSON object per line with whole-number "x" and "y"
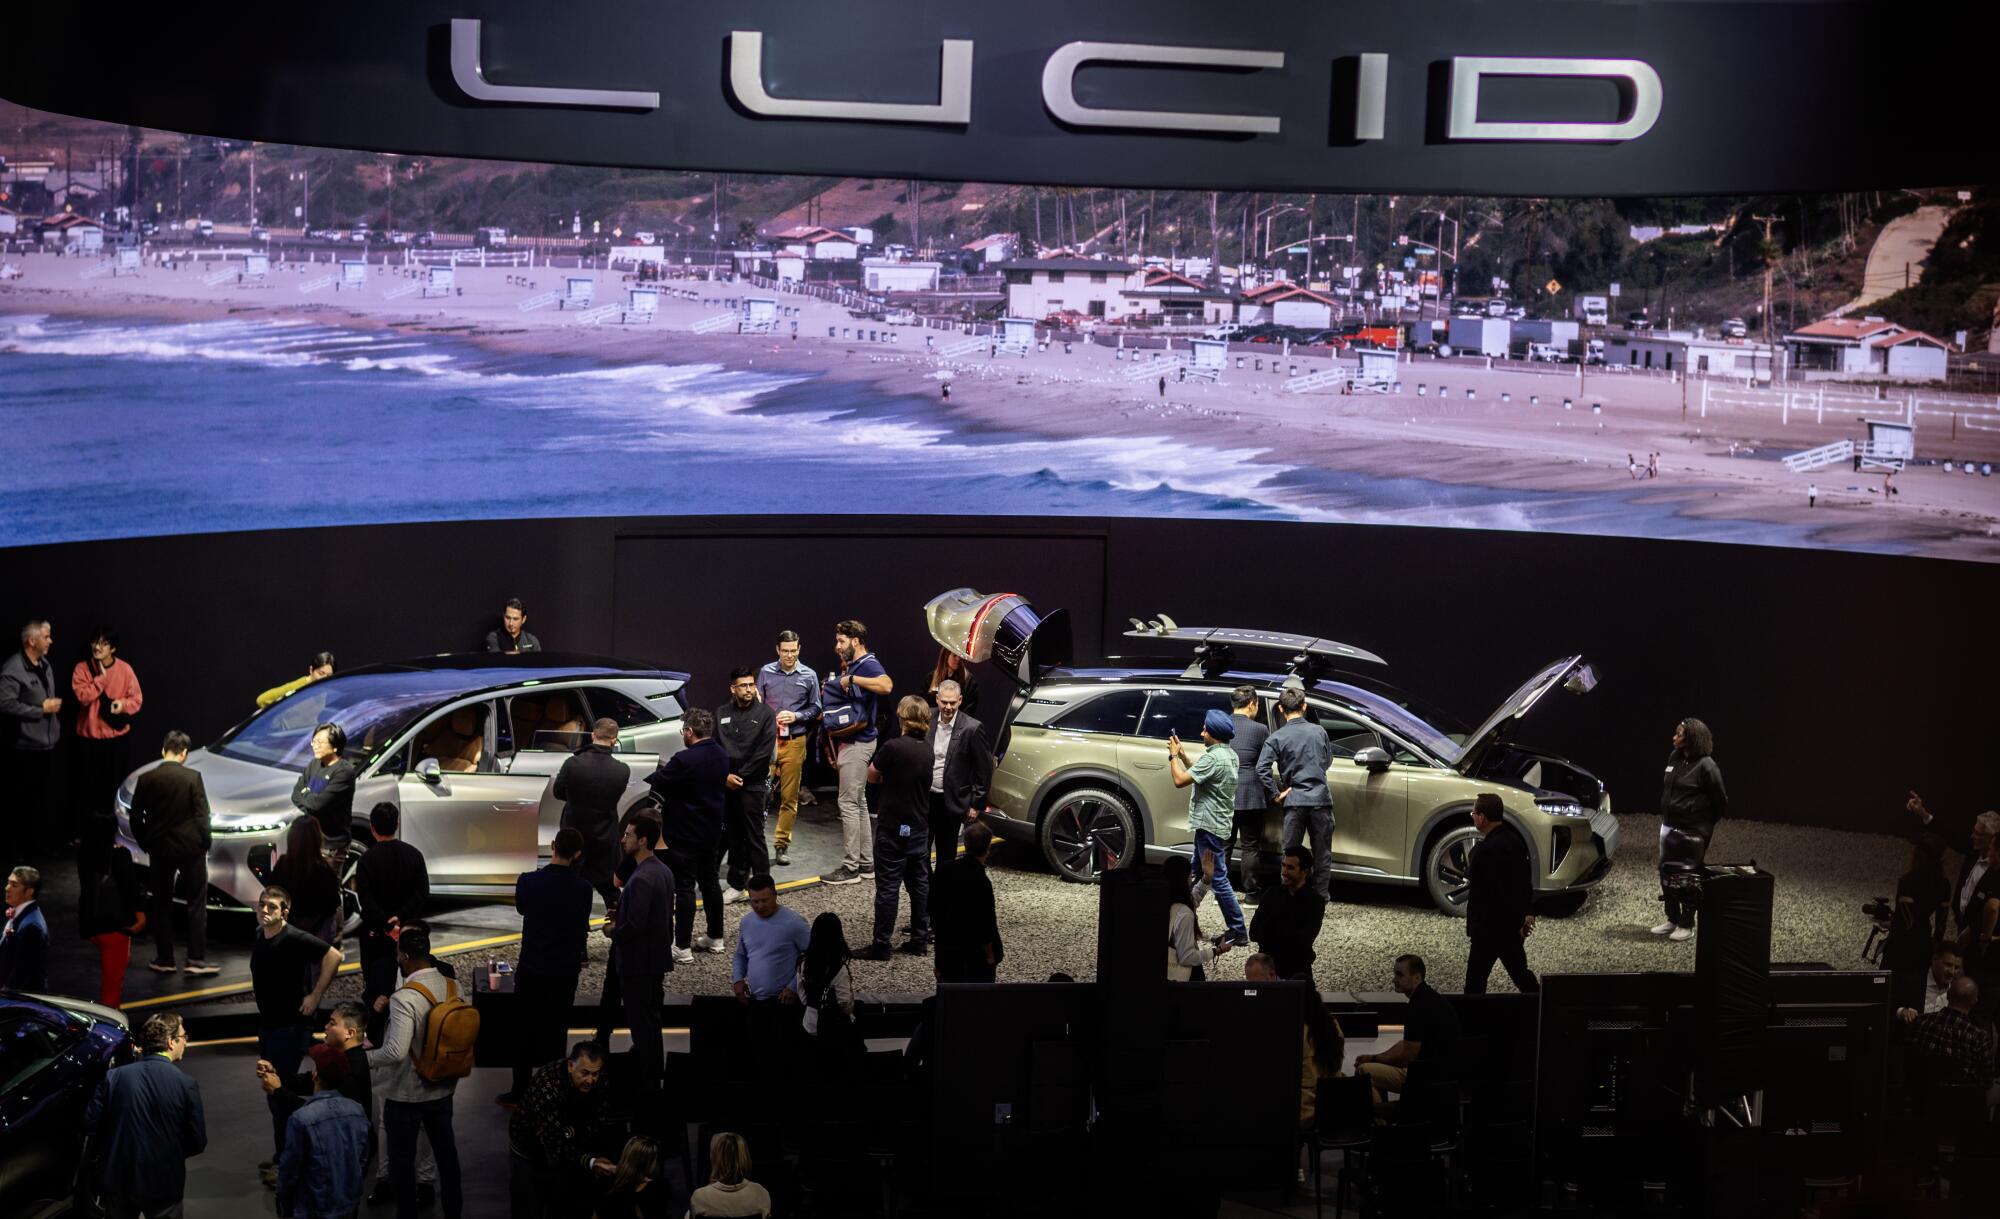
{"x": 1149, "y": 765}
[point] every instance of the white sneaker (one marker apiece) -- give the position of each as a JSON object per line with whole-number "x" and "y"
{"x": 734, "y": 897}
{"x": 683, "y": 956}
{"x": 1681, "y": 934}
{"x": 1664, "y": 928}
{"x": 703, "y": 944}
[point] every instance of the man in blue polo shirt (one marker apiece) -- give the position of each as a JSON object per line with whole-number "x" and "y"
{"x": 849, "y": 703}
{"x": 770, "y": 943}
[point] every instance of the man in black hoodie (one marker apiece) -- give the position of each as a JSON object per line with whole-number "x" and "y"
{"x": 1692, "y": 800}
{"x": 1499, "y": 902}
{"x": 591, "y": 784}
{"x": 748, "y": 730}
{"x": 690, "y": 787}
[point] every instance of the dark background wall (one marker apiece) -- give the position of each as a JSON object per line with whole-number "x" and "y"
{"x": 1833, "y": 681}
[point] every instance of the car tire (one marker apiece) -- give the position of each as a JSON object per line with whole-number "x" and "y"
{"x": 1086, "y": 830}
{"x": 1447, "y": 868}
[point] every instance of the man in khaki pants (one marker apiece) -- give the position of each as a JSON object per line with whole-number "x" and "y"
{"x": 791, "y": 690}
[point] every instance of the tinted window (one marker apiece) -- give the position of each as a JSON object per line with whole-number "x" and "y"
{"x": 1345, "y": 734}
{"x": 373, "y": 708}
{"x": 27, "y": 1044}
{"x": 1116, "y": 711}
{"x": 1181, "y": 711}
{"x": 625, "y": 710}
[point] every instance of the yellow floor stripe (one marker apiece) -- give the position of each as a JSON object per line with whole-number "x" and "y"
{"x": 442, "y": 950}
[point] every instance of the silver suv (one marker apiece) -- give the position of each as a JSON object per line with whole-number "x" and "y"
{"x": 463, "y": 745}
{"x": 1083, "y": 769}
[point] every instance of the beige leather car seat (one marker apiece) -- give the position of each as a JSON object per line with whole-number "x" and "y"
{"x": 457, "y": 743}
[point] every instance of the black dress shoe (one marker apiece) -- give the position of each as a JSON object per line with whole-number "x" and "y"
{"x": 874, "y": 952}
{"x": 914, "y": 947}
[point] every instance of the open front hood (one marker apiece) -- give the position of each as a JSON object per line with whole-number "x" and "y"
{"x": 1571, "y": 674}
{"x": 1002, "y": 628}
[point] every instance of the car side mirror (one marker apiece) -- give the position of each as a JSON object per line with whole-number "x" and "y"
{"x": 430, "y": 772}
{"x": 1374, "y": 757}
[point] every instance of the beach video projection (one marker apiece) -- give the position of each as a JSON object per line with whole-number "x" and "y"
{"x": 199, "y": 334}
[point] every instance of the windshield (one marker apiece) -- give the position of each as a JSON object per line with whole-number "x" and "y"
{"x": 1398, "y": 719}
{"x": 373, "y": 709}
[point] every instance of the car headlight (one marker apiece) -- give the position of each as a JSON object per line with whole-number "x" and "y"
{"x": 253, "y": 827}
{"x": 1562, "y": 808}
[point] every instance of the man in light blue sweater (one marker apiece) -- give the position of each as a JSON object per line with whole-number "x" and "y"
{"x": 770, "y": 943}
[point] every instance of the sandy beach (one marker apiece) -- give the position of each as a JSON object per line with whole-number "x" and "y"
{"x": 1717, "y": 443}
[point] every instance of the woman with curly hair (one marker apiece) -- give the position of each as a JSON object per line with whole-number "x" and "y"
{"x": 1691, "y": 802}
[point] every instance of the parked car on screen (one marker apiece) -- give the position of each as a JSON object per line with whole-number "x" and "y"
{"x": 1083, "y": 770}
{"x": 1733, "y": 328}
{"x": 1227, "y": 330}
{"x": 464, "y": 745}
{"x": 1637, "y": 320}
{"x": 53, "y": 1053}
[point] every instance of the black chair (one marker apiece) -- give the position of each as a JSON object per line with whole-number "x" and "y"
{"x": 1343, "y": 1121}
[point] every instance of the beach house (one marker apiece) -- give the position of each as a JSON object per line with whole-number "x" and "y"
{"x": 989, "y": 251}
{"x": 1868, "y": 347}
{"x": 1037, "y": 287}
{"x": 817, "y": 243}
{"x": 894, "y": 275}
{"x": 1175, "y": 298}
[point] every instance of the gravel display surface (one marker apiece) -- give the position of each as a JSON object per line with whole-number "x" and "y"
{"x": 1050, "y": 926}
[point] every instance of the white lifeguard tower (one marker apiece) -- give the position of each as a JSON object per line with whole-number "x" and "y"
{"x": 1377, "y": 372}
{"x": 760, "y": 314}
{"x": 578, "y": 292}
{"x": 1210, "y": 357}
{"x": 441, "y": 281}
{"x": 353, "y": 274}
{"x": 1016, "y": 337}
{"x": 1890, "y": 446}
{"x": 643, "y": 305}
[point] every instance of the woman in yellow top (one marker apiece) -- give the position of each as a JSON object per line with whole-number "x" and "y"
{"x": 321, "y": 667}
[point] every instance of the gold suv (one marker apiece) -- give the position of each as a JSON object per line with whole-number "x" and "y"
{"x": 1083, "y": 767}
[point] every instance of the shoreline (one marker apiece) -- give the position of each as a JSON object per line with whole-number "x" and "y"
{"x": 1305, "y": 455}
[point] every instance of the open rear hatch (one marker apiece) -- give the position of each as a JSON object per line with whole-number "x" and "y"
{"x": 1005, "y": 629}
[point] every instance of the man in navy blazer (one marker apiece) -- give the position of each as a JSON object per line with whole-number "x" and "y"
{"x": 147, "y": 1121}
{"x": 555, "y": 925}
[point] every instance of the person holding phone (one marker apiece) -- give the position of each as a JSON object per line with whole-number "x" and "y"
{"x": 1212, "y": 808}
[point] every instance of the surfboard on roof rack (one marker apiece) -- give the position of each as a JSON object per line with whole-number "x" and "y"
{"x": 1214, "y": 647}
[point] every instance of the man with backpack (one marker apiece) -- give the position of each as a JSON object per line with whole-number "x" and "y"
{"x": 425, "y": 1052}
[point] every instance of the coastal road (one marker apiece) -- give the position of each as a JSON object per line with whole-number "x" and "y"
{"x": 1896, "y": 260}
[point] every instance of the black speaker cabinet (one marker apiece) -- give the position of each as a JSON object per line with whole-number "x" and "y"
{"x": 1732, "y": 974}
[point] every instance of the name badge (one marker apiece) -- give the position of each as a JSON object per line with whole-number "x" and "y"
{"x": 725, "y": 719}
{"x": 902, "y": 831}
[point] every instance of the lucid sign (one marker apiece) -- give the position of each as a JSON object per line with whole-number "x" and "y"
{"x": 1542, "y": 97}
{"x": 1058, "y": 93}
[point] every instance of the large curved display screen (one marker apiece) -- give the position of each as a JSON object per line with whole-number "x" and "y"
{"x": 198, "y": 335}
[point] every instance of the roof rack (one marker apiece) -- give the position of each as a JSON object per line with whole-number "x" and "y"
{"x": 1214, "y": 648}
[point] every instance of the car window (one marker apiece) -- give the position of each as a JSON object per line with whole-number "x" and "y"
{"x": 1116, "y": 711}
{"x": 626, "y": 710}
{"x": 27, "y": 1044}
{"x": 1346, "y": 735}
{"x": 459, "y": 740}
{"x": 1180, "y": 711}
{"x": 549, "y": 721}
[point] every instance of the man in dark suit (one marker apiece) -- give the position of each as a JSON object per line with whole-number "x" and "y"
{"x": 747, "y": 727}
{"x": 170, "y": 823}
{"x": 147, "y": 1122}
{"x": 1971, "y": 837}
{"x": 692, "y": 787}
{"x": 642, "y": 943}
{"x": 1499, "y": 901}
{"x": 555, "y": 924}
{"x": 591, "y": 784}
{"x": 393, "y": 884}
{"x": 964, "y": 925}
{"x": 961, "y": 770}
{"x": 1252, "y": 804}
